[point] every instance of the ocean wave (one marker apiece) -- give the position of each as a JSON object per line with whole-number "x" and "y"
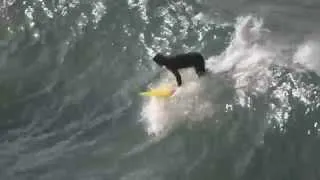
{"x": 250, "y": 64}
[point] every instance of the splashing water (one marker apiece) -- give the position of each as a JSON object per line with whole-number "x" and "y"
{"x": 247, "y": 58}
{"x": 307, "y": 55}
{"x": 247, "y": 61}
{"x": 189, "y": 102}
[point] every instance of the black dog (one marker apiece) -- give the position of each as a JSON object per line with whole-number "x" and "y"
{"x": 176, "y": 62}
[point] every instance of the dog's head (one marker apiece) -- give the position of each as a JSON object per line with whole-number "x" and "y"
{"x": 159, "y": 59}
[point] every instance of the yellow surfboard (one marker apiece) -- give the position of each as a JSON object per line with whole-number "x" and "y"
{"x": 159, "y": 92}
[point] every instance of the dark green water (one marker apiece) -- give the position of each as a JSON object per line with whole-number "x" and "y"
{"x": 71, "y": 71}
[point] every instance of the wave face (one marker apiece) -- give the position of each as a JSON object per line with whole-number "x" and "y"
{"x": 71, "y": 72}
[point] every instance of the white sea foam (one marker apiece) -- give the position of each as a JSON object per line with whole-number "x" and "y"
{"x": 246, "y": 61}
{"x": 189, "y": 102}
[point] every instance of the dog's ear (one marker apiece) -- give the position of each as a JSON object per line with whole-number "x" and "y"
{"x": 159, "y": 59}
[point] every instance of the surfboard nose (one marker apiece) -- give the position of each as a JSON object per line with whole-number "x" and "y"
{"x": 159, "y": 92}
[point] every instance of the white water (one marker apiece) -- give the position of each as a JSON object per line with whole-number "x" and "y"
{"x": 246, "y": 62}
